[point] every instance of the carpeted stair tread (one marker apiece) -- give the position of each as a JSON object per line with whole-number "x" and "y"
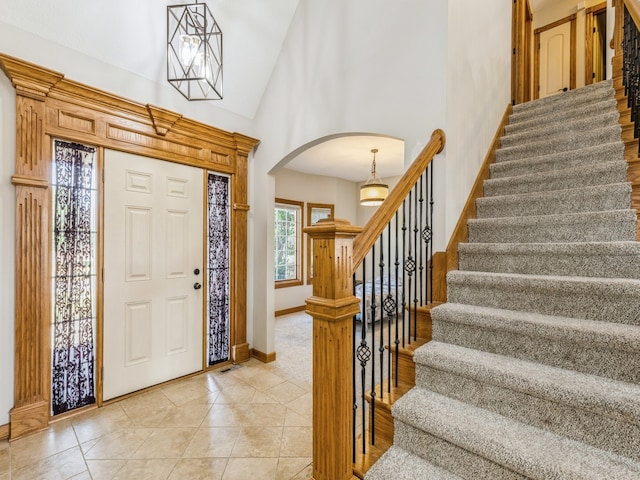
{"x": 604, "y": 299}
{"x": 590, "y": 392}
{"x": 523, "y": 449}
{"x": 604, "y": 349}
{"x": 595, "y": 154}
{"x": 586, "y": 94}
{"x": 587, "y": 175}
{"x": 611, "y": 225}
{"x": 398, "y": 464}
{"x": 597, "y": 411}
{"x": 589, "y": 259}
{"x": 560, "y": 143}
{"x": 557, "y": 126}
{"x": 614, "y": 196}
{"x": 560, "y": 115}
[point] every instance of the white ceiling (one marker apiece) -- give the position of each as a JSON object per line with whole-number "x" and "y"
{"x": 131, "y": 35}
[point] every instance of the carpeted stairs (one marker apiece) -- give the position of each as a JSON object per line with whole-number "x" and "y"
{"x": 534, "y": 367}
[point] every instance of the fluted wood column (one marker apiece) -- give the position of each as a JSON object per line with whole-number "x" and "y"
{"x": 332, "y": 307}
{"x": 32, "y": 310}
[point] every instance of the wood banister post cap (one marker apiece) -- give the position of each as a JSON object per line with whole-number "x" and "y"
{"x": 337, "y": 226}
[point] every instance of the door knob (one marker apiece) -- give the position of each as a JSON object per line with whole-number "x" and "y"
{"x": 197, "y": 286}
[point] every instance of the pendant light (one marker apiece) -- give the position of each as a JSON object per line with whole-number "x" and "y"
{"x": 373, "y": 191}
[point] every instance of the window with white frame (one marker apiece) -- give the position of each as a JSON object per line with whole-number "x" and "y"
{"x": 288, "y": 243}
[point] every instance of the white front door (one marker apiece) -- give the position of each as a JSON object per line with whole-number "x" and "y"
{"x": 555, "y": 60}
{"x": 153, "y": 246}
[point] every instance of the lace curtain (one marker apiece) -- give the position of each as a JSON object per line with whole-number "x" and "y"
{"x": 218, "y": 267}
{"x": 74, "y": 276}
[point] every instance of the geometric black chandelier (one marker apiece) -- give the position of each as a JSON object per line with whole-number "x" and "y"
{"x": 194, "y": 52}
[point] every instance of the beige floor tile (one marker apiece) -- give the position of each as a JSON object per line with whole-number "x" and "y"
{"x": 286, "y": 392}
{"x": 118, "y": 445}
{"x": 82, "y": 476}
{"x": 296, "y": 442}
{"x": 199, "y": 469}
{"x": 251, "y": 468}
{"x": 258, "y": 442}
{"x": 5, "y": 476}
{"x": 31, "y": 449}
{"x": 256, "y": 414}
{"x": 185, "y": 391}
{"x": 86, "y": 446}
{"x": 104, "y": 469}
{"x": 212, "y": 442}
{"x": 265, "y": 380}
{"x": 5, "y": 457}
{"x": 154, "y": 469}
{"x": 262, "y": 397}
{"x": 247, "y": 370}
{"x": 166, "y": 443}
{"x": 306, "y": 474}
{"x": 302, "y": 405}
{"x": 99, "y": 422}
{"x": 188, "y": 415}
{"x": 148, "y": 409}
{"x": 290, "y": 467}
{"x": 62, "y": 465}
{"x": 236, "y": 394}
{"x": 218, "y": 380}
{"x": 293, "y": 419}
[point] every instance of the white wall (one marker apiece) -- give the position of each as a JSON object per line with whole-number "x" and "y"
{"x": 359, "y": 66}
{"x": 305, "y": 188}
{"x": 7, "y": 245}
{"x": 478, "y": 93}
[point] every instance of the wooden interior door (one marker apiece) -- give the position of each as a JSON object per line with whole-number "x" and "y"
{"x": 153, "y": 319}
{"x": 555, "y": 58}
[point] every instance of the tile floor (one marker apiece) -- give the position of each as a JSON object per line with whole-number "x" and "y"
{"x": 250, "y": 422}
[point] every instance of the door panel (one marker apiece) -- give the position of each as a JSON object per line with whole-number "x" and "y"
{"x": 555, "y": 60}
{"x": 153, "y": 324}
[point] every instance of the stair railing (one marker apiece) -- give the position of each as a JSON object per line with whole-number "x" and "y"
{"x": 393, "y": 248}
{"x": 631, "y": 62}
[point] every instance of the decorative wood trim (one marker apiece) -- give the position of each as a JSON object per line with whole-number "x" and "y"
{"x": 241, "y": 353}
{"x": 460, "y": 232}
{"x": 263, "y": 357}
{"x": 29, "y": 418}
{"x": 49, "y": 105}
{"x": 287, "y": 311}
{"x": 590, "y": 14}
{"x": 389, "y": 207}
{"x": 521, "y": 25}
{"x": 241, "y": 206}
{"x": 332, "y": 307}
{"x": 4, "y": 432}
{"x": 310, "y": 207}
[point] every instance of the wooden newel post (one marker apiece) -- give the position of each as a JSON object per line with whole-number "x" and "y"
{"x": 332, "y": 307}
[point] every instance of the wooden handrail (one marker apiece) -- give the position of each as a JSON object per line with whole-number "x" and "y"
{"x": 634, "y": 9}
{"x": 363, "y": 242}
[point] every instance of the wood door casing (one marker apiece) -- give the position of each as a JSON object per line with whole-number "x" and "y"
{"x": 49, "y": 105}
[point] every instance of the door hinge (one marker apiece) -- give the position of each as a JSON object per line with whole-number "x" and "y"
{"x": 514, "y": 51}
{"x": 103, "y": 274}
{"x": 593, "y": 75}
{"x": 594, "y": 29}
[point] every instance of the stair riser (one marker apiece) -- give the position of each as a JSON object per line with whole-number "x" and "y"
{"x": 562, "y": 143}
{"x": 589, "y": 427}
{"x": 561, "y": 116}
{"x": 592, "y": 302}
{"x": 544, "y": 182}
{"x": 557, "y": 126}
{"x": 565, "y": 201}
{"x": 589, "y": 156}
{"x": 546, "y": 349}
{"x": 450, "y": 457}
{"x": 607, "y": 266}
{"x": 542, "y": 230}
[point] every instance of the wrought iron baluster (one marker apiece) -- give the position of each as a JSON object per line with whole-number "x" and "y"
{"x": 372, "y": 431}
{"x": 414, "y": 311}
{"x": 397, "y": 340}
